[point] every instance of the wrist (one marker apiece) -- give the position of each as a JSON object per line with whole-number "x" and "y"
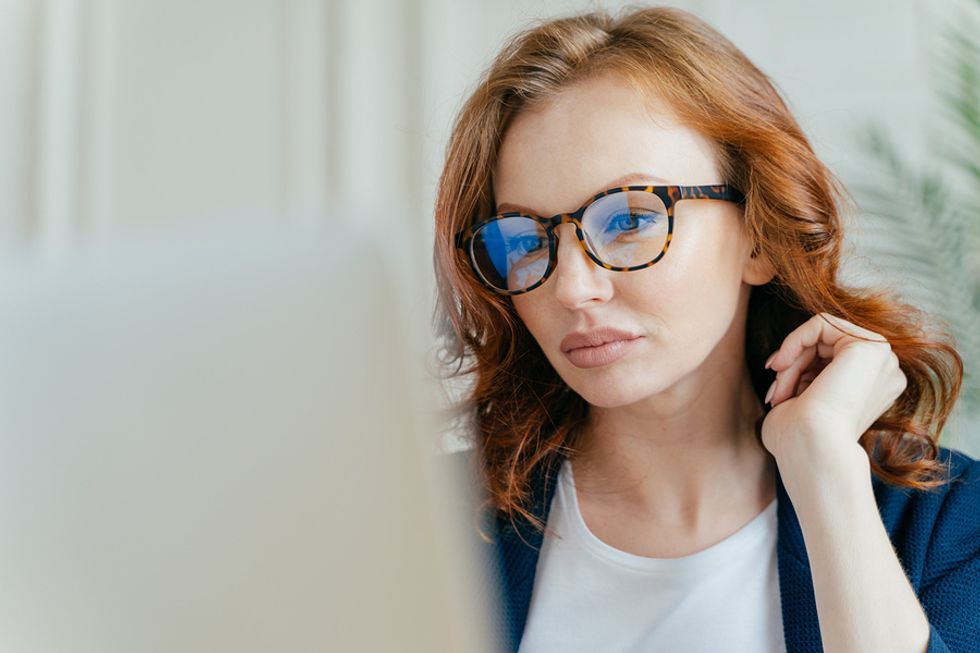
{"x": 816, "y": 462}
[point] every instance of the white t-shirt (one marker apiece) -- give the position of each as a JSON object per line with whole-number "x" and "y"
{"x": 589, "y": 596}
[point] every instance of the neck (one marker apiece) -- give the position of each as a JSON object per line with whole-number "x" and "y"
{"x": 679, "y": 459}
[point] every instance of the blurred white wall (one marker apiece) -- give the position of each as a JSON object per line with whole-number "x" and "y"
{"x": 143, "y": 114}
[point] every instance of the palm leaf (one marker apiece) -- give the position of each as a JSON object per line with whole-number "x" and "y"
{"x": 926, "y": 217}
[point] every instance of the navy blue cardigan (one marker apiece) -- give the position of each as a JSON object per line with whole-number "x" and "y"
{"x": 936, "y": 535}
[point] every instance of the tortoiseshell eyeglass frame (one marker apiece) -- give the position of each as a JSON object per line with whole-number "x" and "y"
{"x": 670, "y": 195}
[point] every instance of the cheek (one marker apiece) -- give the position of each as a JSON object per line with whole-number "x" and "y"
{"x": 697, "y": 291}
{"x": 533, "y": 317}
{"x": 710, "y": 252}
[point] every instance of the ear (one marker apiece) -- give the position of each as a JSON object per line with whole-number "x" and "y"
{"x": 758, "y": 269}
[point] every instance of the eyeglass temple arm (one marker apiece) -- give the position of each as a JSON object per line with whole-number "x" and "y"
{"x": 712, "y": 192}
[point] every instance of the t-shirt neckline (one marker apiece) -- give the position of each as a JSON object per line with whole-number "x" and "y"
{"x": 718, "y": 553}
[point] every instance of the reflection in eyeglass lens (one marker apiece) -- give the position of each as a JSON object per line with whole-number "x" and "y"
{"x": 623, "y": 229}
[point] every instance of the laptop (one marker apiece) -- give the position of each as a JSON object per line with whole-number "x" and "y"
{"x": 209, "y": 444}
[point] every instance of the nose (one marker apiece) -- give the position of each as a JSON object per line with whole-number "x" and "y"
{"x": 577, "y": 279}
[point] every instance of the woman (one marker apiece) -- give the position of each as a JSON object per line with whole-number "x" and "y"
{"x": 691, "y": 435}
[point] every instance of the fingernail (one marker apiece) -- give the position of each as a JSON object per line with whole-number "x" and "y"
{"x": 772, "y": 388}
{"x": 769, "y": 360}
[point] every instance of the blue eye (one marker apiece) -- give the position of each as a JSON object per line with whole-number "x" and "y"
{"x": 632, "y": 221}
{"x": 526, "y": 244}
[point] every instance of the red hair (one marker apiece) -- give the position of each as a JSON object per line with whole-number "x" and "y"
{"x": 518, "y": 412}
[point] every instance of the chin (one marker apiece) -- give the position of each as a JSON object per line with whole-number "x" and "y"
{"x": 604, "y": 394}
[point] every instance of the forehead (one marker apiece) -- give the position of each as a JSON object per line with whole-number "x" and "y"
{"x": 596, "y": 134}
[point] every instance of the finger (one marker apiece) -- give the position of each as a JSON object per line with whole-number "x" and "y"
{"x": 823, "y": 331}
{"x": 851, "y": 329}
{"x": 788, "y": 378}
{"x": 777, "y": 363}
{"x": 807, "y": 378}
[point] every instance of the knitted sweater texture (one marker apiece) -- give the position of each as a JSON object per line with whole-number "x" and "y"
{"x": 936, "y": 535}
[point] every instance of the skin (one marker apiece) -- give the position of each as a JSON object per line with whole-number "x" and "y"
{"x": 670, "y": 447}
{"x": 669, "y": 462}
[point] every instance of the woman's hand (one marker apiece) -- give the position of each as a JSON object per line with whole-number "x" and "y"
{"x": 830, "y": 387}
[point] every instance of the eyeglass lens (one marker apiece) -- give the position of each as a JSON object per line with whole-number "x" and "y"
{"x": 623, "y": 229}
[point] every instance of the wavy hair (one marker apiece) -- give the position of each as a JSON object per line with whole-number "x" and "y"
{"x": 517, "y": 410}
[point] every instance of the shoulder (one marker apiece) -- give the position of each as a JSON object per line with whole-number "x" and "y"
{"x": 960, "y": 497}
{"x": 959, "y": 511}
{"x": 964, "y": 474}
{"x": 955, "y": 537}
{"x": 938, "y": 530}
{"x": 963, "y": 486}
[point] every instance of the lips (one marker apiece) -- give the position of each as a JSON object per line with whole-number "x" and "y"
{"x": 603, "y": 354}
{"x": 594, "y": 338}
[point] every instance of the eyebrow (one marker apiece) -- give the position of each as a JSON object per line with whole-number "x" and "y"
{"x": 625, "y": 180}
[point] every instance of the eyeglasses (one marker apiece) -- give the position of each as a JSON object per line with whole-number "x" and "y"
{"x": 622, "y": 229}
